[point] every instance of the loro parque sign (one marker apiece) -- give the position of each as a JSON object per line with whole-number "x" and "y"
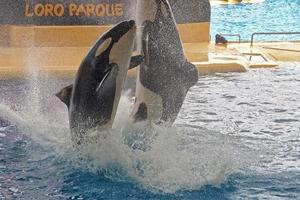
{"x": 91, "y": 12}
{"x": 73, "y": 9}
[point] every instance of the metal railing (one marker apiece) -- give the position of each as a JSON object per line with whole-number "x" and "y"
{"x": 233, "y": 35}
{"x": 271, "y": 33}
{"x": 255, "y": 54}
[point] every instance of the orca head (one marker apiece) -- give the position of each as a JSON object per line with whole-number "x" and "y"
{"x": 115, "y": 46}
{"x": 164, "y": 8}
{"x": 111, "y": 59}
{"x": 147, "y": 10}
{"x": 111, "y": 53}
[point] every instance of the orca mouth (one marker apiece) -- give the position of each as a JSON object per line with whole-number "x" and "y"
{"x": 121, "y": 29}
{"x": 132, "y": 25}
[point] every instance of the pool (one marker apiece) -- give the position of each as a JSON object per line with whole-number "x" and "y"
{"x": 268, "y": 16}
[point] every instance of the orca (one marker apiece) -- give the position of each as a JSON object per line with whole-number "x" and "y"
{"x": 165, "y": 76}
{"x": 93, "y": 98}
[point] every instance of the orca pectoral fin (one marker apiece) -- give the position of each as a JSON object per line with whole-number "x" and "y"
{"x": 107, "y": 87}
{"x": 136, "y": 61}
{"x": 145, "y": 41}
{"x": 65, "y": 95}
{"x": 191, "y": 74}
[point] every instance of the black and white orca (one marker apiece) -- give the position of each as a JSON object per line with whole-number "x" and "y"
{"x": 165, "y": 76}
{"x": 93, "y": 98}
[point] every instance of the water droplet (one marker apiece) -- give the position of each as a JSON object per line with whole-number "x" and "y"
{"x": 13, "y": 189}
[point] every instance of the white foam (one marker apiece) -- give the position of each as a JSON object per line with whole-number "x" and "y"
{"x": 159, "y": 158}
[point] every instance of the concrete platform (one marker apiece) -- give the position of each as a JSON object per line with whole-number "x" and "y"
{"x": 15, "y": 62}
{"x": 58, "y": 61}
{"x": 219, "y": 66}
{"x": 64, "y": 61}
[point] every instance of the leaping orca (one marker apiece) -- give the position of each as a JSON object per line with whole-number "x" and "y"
{"x": 165, "y": 76}
{"x": 93, "y": 98}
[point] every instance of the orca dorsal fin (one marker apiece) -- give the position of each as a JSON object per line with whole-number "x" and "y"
{"x": 136, "y": 61}
{"x": 65, "y": 95}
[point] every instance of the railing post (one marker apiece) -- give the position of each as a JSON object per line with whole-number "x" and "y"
{"x": 271, "y": 33}
{"x": 252, "y": 38}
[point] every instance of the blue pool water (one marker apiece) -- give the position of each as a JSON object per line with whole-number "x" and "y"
{"x": 267, "y": 16}
{"x": 237, "y": 136}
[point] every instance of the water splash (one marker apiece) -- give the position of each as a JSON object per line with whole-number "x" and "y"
{"x": 158, "y": 158}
